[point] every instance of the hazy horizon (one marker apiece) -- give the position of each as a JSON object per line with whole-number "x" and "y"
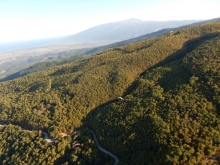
{"x": 30, "y": 20}
{"x": 68, "y": 35}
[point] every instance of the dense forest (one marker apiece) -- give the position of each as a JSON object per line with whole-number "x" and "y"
{"x": 168, "y": 113}
{"x": 28, "y": 147}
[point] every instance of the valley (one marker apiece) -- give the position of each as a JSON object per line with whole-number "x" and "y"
{"x": 17, "y": 60}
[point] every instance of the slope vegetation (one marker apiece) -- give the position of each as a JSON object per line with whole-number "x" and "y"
{"x": 170, "y": 85}
{"x": 171, "y": 116}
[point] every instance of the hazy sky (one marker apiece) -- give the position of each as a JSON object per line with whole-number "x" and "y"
{"x": 30, "y": 19}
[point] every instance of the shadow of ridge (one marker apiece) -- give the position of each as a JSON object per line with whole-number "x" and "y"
{"x": 114, "y": 135}
{"x": 107, "y": 119}
{"x": 92, "y": 116}
{"x": 187, "y": 47}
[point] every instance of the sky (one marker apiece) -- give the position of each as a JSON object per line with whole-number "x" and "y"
{"x": 35, "y": 19}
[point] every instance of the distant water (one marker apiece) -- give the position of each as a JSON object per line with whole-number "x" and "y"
{"x": 29, "y": 44}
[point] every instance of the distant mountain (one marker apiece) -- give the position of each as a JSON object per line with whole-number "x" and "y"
{"x": 126, "y": 29}
{"x": 91, "y": 51}
{"x": 146, "y": 36}
{"x": 110, "y": 32}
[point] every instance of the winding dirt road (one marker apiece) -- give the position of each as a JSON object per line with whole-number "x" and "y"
{"x": 46, "y": 138}
{"x": 102, "y": 149}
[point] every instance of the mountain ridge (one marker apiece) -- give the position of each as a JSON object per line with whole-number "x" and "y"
{"x": 106, "y": 47}
{"x": 146, "y": 36}
{"x": 126, "y": 29}
{"x": 91, "y": 50}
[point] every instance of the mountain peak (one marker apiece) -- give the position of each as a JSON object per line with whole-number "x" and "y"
{"x": 123, "y": 30}
{"x": 131, "y": 20}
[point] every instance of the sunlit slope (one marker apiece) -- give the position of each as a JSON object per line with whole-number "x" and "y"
{"x": 58, "y": 99}
{"x": 7, "y": 68}
{"x": 171, "y": 115}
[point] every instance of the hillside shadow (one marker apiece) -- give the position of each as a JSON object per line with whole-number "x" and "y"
{"x": 129, "y": 139}
{"x": 178, "y": 55}
{"x": 187, "y": 47}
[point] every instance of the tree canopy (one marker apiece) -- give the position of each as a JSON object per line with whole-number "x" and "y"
{"x": 169, "y": 113}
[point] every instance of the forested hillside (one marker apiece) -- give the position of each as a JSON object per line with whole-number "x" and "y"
{"x": 43, "y": 66}
{"x": 169, "y": 113}
{"x": 25, "y": 147}
{"x": 7, "y": 68}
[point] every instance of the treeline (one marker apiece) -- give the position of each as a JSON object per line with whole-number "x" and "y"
{"x": 161, "y": 87}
